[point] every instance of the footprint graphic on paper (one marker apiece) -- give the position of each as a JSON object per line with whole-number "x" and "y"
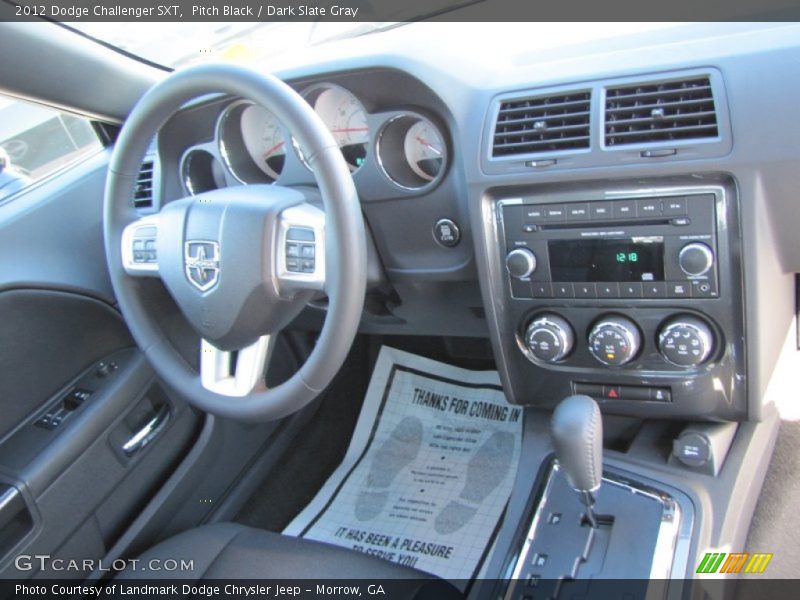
{"x": 486, "y": 469}
{"x": 396, "y": 453}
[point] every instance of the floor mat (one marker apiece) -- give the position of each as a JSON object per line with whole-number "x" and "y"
{"x": 428, "y": 472}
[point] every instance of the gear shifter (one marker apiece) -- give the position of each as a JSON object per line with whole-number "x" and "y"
{"x": 577, "y": 430}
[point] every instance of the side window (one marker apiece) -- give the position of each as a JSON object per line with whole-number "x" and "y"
{"x": 36, "y": 141}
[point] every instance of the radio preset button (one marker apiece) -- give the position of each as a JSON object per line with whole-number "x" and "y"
{"x": 585, "y": 290}
{"x": 563, "y": 290}
{"x": 608, "y": 290}
{"x": 654, "y": 289}
{"x": 630, "y": 290}
{"x": 541, "y": 290}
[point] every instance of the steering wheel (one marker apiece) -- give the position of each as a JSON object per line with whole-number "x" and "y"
{"x": 226, "y": 256}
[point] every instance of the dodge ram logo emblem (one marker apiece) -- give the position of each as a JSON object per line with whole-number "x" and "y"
{"x": 201, "y": 260}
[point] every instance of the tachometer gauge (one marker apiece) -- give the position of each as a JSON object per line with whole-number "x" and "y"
{"x": 263, "y": 137}
{"x": 424, "y": 149}
{"x": 345, "y": 117}
{"x": 251, "y": 142}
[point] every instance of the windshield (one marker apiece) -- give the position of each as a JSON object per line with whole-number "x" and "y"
{"x": 174, "y": 45}
{"x": 179, "y": 44}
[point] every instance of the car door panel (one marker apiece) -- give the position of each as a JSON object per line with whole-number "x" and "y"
{"x": 75, "y": 485}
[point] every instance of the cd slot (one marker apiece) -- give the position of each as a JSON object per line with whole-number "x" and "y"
{"x": 673, "y": 221}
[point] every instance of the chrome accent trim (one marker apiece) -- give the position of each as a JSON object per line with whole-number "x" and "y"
{"x": 200, "y": 263}
{"x": 670, "y": 555}
{"x": 147, "y": 433}
{"x": 216, "y": 374}
{"x": 379, "y": 138}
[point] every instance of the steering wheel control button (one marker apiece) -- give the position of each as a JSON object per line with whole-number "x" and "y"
{"x": 549, "y": 338}
{"x": 614, "y": 341}
{"x": 300, "y": 250}
{"x": 144, "y": 248}
{"x": 521, "y": 263}
{"x": 696, "y": 259}
{"x": 447, "y": 233}
{"x": 686, "y": 341}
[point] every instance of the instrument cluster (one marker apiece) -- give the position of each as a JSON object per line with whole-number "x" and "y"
{"x": 251, "y": 145}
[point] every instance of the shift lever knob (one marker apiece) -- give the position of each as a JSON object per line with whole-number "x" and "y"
{"x": 577, "y": 431}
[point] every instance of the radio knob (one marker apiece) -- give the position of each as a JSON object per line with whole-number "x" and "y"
{"x": 696, "y": 259}
{"x": 614, "y": 341}
{"x": 686, "y": 341}
{"x": 521, "y": 263}
{"x": 549, "y": 338}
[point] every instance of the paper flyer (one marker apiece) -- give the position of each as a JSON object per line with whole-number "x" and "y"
{"x": 428, "y": 472}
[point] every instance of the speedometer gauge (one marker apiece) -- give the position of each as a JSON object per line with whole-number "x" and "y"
{"x": 345, "y": 117}
{"x": 263, "y": 137}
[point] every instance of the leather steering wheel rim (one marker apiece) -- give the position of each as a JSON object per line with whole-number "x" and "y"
{"x": 345, "y": 241}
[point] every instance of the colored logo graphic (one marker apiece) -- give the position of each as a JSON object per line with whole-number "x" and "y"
{"x": 735, "y": 562}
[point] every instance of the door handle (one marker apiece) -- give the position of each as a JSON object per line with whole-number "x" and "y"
{"x": 148, "y": 432}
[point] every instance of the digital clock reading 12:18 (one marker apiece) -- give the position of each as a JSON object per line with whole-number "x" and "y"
{"x": 627, "y": 257}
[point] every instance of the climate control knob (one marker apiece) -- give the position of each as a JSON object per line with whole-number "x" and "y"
{"x": 614, "y": 340}
{"x": 696, "y": 259}
{"x": 549, "y": 338}
{"x": 686, "y": 341}
{"x": 521, "y": 262}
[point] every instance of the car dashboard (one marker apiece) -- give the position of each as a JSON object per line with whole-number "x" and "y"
{"x": 613, "y": 215}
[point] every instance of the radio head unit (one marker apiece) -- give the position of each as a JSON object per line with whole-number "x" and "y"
{"x": 662, "y": 247}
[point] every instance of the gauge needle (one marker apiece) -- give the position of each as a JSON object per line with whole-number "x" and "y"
{"x": 428, "y": 144}
{"x": 269, "y": 152}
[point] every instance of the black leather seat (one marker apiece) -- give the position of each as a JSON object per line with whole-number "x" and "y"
{"x": 229, "y": 551}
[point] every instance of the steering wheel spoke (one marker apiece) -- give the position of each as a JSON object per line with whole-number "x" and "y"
{"x": 235, "y": 374}
{"x": 139, "y": 253}
{"x": 300, "y": 255}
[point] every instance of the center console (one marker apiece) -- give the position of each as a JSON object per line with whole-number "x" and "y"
{"x": 630, "y": 294}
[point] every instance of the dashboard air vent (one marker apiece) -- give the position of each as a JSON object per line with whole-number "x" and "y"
{"x": 143, "y": 193}
{"x": 663, "y": 111}
{"x": 542, "y": 124}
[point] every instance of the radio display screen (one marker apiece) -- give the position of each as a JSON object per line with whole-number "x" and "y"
{"x": 606, "y": 260}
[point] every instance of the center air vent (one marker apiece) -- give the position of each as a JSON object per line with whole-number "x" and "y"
{"x": 539, "y": 124}
{"x": 663, "y": 111}
{"x": 143, "y": 193}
